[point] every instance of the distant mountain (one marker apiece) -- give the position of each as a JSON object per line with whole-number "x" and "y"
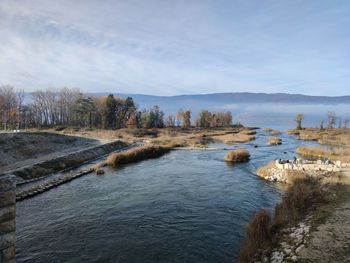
{"x": 241, "y": 97}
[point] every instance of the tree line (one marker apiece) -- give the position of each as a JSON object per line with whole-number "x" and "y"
{"x": 69, "y": 107}
{"x": 332, "y": 121}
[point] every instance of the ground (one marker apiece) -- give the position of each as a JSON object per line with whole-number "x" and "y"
{"x": 329, "y": 240}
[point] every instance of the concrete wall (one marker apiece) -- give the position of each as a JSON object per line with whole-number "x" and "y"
{"x": 7, "y": 219}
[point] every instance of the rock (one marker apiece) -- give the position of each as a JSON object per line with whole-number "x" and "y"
{"x": 100, "y": 171}
{"x": 265, "y": 260}
{"x": 284, "y": 245}
{"x": 294, "y": 258}
{"x": 288, "y": 251}
{"x": 277, "y": 257}
{"x": 299, "y": 249}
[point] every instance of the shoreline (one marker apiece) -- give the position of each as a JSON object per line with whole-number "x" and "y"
{"x": 321, "y": 234}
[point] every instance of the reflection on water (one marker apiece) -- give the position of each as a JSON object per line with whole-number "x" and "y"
{"x": 188, "y": 206}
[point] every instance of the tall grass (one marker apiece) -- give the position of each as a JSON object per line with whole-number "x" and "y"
{"x": 239, "y": 155}
{"x": 274, "y": 140}
{"x": 262, "y": 232}
{"x": 136, "y": 155}
{"x": 304, "y": 195}
{"x": 257, "y": 236}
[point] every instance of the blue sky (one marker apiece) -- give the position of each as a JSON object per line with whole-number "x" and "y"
{"x": 168, "y": 47}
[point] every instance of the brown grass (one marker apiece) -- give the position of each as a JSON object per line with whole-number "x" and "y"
{"x": 239, "y": 155}
{"x": 234, "y": 138}
{"x": 304, "y": 194}
{"x": 248, "y": 132}
{"x": 262, "y": 233}
{"x": 274, "y": 141}
{"x": 328, "y": 136}
{"x": 257, "y": 236}
{"x": 320, "y": 152}
{"x": 136, "y": 155}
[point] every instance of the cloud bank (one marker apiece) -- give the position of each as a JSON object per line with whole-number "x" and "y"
{"x": 165, "y": 47}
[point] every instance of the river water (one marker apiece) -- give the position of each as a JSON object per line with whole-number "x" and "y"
{"x": 188, "y": 206}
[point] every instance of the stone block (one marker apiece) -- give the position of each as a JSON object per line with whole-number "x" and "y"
{"x": 7, "y": 213}
{"x": 8, "y": 254}
{"x": 7, "y": 182}
{"x": 7, "y": 198}
{"x": 7, "y": 240}
{"x": 7, "y": 226}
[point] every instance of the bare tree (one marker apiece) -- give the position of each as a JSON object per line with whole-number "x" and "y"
{"x": 332, "y": 118}
{"x": 8, "y": 106}
{"x": 170, "y": 121}
{"x": 346, "y": 122}
{"x": 298, "y": 119}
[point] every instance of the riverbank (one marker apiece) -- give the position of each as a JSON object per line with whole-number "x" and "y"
{"x": 293, "y": 230}
{"x": 317, "y": 234}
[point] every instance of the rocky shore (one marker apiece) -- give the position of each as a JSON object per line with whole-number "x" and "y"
{"x": 293, "y": 241}
{"x": 286, "y": 173}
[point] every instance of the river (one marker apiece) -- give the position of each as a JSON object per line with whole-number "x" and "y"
{"x": 188, "y": 206}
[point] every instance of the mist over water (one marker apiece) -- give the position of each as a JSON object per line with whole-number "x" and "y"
{"x": 188, "y": 206}
{"x": 281, "y": 116}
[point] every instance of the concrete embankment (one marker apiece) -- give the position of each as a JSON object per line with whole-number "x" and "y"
{"x": 7, "y": 218}
{"x": 65, "y": 162}
{"x": 8, "y": 195}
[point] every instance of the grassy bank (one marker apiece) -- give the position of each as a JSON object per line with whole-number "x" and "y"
{"x": 323, "y": 153}
{"x": 262, "y": 232}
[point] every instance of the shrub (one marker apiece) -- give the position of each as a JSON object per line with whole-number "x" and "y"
{"x": 263, "y": 233}
{"x": 274, "y": 140}
{"x": 239, "y": 155}
{"x": 297, "y": 201}
{"x": 257, "y": 236}
{"x": 136, "y": 154}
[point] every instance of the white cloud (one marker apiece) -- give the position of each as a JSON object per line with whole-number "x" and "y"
{"x": 175, "y": 47}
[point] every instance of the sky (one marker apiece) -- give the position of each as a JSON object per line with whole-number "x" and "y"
{"x": 172, "y": 47}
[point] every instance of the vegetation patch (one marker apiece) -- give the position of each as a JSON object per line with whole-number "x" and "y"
{"x": 234, "y": 138}
{"x": 248, "y": 132}
{"x": 274, "y": 141}
{"x": 136, "y": 155}
{"x": 237, "y": 156}
{"x": 262, "y": 232}
{"x": 320, "y": 152}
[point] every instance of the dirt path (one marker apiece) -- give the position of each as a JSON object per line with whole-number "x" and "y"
{"x": 330, "y": 242}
